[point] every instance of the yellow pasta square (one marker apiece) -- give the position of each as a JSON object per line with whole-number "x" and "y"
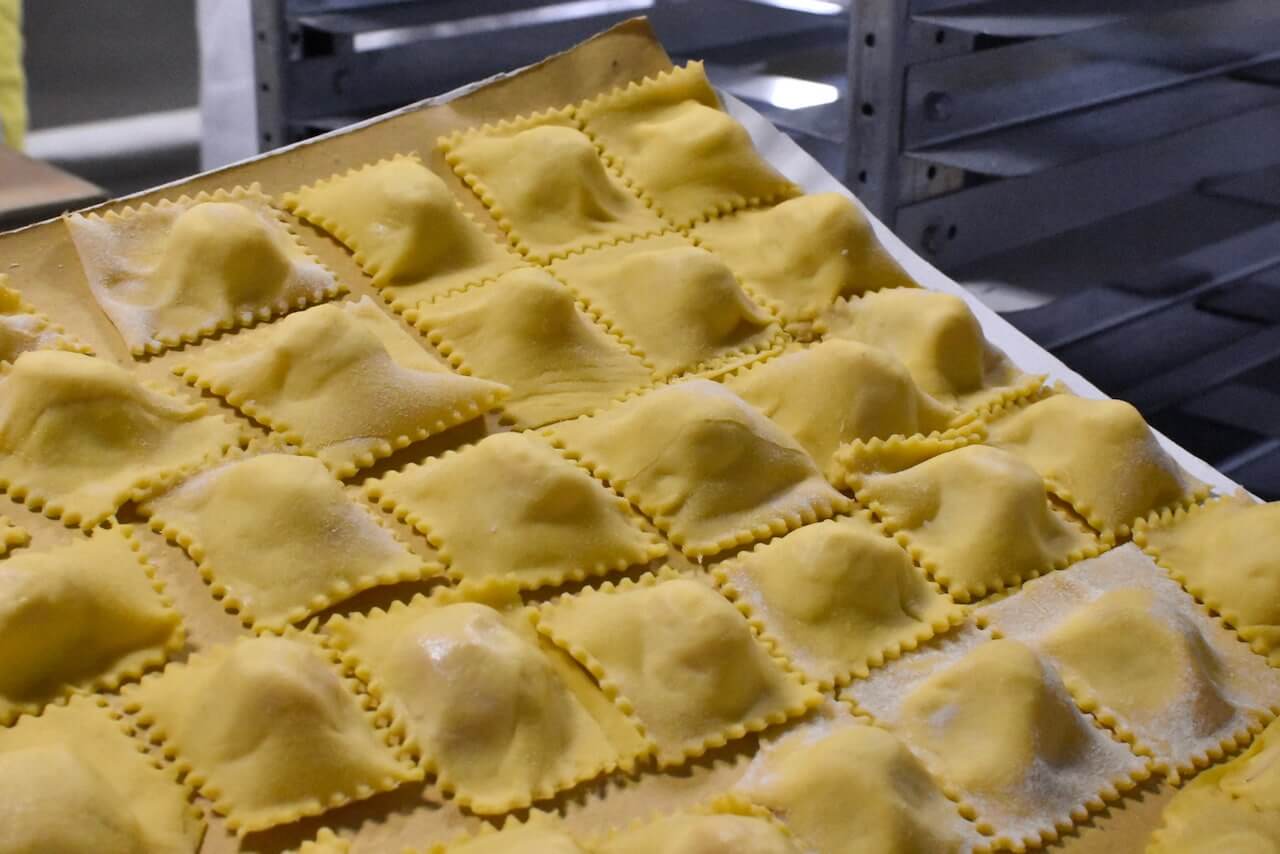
{"x": 11, "y": 537}
{"x": 977, "y": 519}
{"x": 1099, "y": 456}
{"x": 677, "y": 655}
{"x": 406, "y": 229}
{"x": 679, "y": 306}
{"x": 80, "y": 436}
{"x": 541, "y": 832}
{"x": 938, "y": 338}
{"x": 1224, "y": 554}
{"x": 841, "y": 396}
{"x": 1203, "y": 818}
{"x": 22, "y": 328}
{"x": 277, "y": 538}
{"x": 669, "y": 135}
{"x": 711, "y": 472}
{"x": 527, "y": 514}
{"x": 180, "y": 270}
{"x": 837, "y": 598}
{"x": 799, "y": 257}
{"x": 846, "y": 787}
{"x": 993, "y": 721}
{"x": 498, "y": 714}
{"x": 545, "y": 184}
{"x": 343, "y": 381}
{"x": 726, "y": 826}
{"x": 269, "y": 731}
{"x": 526, "y": 330}
{"x": 74, "y": 779}
{"x": 1138, "y": 653}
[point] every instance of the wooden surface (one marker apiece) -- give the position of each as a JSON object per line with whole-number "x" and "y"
{"x": 32, "y": 190}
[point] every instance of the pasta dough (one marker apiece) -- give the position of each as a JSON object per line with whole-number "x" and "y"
{"x": 939, "y": 340}
{"x": 526, "y": 331}
{"x": 840, "y": 392}
{"x": 11, "y": 537}
{"x": 84, "y": 617}
{"x": 180, "y": 270}
{"x": 80, "y": 436}
{"x": 678, "y": 305}
{"x": 712, "y": 832}
{"x": 22, "y": 328}
{"x": 490, "y": 711}
{"x": 344, "y": 382}
{"x": 277, "y": 538}
{"x": 545, "y": 184}
{"x": 1224, "y": 553}
{"x": 540, "y": 833}
{"x": 977, "y": 519}
{"x": 528, "y": 514}
{"x": 798, "y": 257}
{"x": 73, "y": 780}
{"x": 405, "y": 228}
{"x": 837, "y": 598}
{"x": 1097, "y": 455}
{"x": 851, "y": 788}
{"x": 681, "y": 658}
{"x": 709, "y": 470}
{"x": 669, "y": 135}
{"x": 268, "y": 731}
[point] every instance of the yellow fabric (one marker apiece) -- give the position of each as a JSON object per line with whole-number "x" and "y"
{"x": 13, "y": 85}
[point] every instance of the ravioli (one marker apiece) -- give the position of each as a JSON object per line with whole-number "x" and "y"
{"x": 326, "y": 842}
{"x": 669, "y": 135}
{"x": 405, "y": 228}
{"x": 277, "y": 538}
{"x": 528, "y": 514}
{"x": 852, "y": 788}
{"x": 1099, "y": 456}
{"x": 837, "y": 598}
{"x": 80, "y": 436}
{"x": 1224, "y": 554}
{"x": 839, "y": 393}
{"x": 526, "y": 331}
{"x": 343, "y": 382}
{"x": 1254, "y": 776}
{"x": 83, "y": 617}
{"x": 268, "y": 731}
{"x": 74, "y": 780}
{"x": 681, "y": 658}
{"x": 940, "y": 341}
{"x": 543, "y": 181}
{"x": 22, "y": 328}
{"x": 500, "y": 720}
{"x": 678, "y": 305}
{"x": 709, "y": 470}
{"x": 1139, "y": 654}
{"x": 710, "y": 832}
{"x": 540, "y": 833}
{"x": 1200, "y": 819}
{"x": 180, "y": 270}
{"x": 977, "y": 519}
{"x": 798, "y": 257}
{"x": 11, "y": 537}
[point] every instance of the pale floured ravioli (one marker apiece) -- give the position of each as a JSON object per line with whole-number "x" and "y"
{"x": 837, "y": 598}
{"x": 80, "y": 436}
{"x": 706, "y": 467}
{"x": 342, "y": 381}
{"x": 1099, "y": 456}
{"x": 1224, "y": 554}
{"x": 978, "y": 519}
{"x": 679, "y": 656}
{"x": 268, "y": 730}
{"x": 277, "y": 538}
{"x": 527, "y": 514}
{"x": 82, "y": 617}
{"x": 678, "y": 305}
{"x": 180, "y": 270}
{"x": 800, "y": 256}
{"x": 938, "y": 338}
{"x": 74, "y": 780}
{"x": 22, "y": 328}
{"x": 500, "y": 716}
{"x": 525, "y": 330}
{"x": 542, "y": 179}
{"x": 669, "y": 135}
{"x": 406, "y": 229}
{"x": 849, "y": 788}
